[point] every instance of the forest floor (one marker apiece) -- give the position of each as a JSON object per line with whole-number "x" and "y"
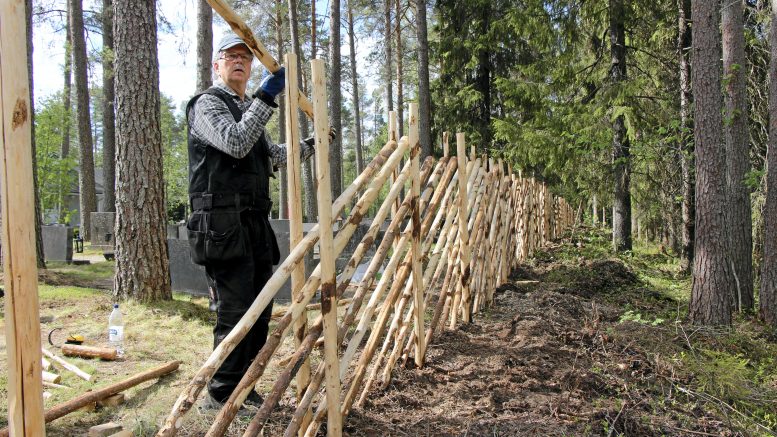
{"x": 599, "y": 345}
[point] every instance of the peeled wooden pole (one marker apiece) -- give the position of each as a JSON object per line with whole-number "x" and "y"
{"x": 295, "y": 209}
{"x": 418, "y": 283}
{"x": 22, "y": 328}
{"x": 328, "y": 279}
{"x": 81, "y": 374}
{"x": 242, "y": 30}
{"x": 91, "y": 397}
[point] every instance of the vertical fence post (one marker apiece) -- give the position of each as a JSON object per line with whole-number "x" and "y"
{"x": 22, "y": 328}
{"x": 393, "y": 136}
{"x": 295, "y": 214}
{"x": 445, "y": 149}
{"x": 418, "y": 282}
{"x": 464, "y": 253}
{"x": 326, "y": 241}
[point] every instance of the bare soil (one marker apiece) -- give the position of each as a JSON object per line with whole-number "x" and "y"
{"x": 548, "y": 359}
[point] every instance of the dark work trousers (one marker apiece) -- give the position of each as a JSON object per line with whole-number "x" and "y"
{"x": 234, "y": 285}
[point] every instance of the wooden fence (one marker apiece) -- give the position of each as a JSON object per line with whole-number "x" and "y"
{"x": 461, "y": 227}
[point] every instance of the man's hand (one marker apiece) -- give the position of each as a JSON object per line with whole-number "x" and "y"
{"x": 272, "y": 83}
{"x": 312, "y": 140}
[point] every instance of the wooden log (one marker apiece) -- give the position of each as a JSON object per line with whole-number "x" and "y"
{"x": 242, "y": 30}
{"x": 91, "y": 397}
{"x": 45, "y": 364}
{"x": 22, "y": 327}
{"x": 445, "y": 149}
{"x": 463, "y": 233}
{"x": 76, "y": 350}
{"x": 293, "y": 168}
{"x": 50, "y": 377}
{"x": 189, "y": 395}
{"x": 68, "y": 366}
{"x": 328, "y": 279}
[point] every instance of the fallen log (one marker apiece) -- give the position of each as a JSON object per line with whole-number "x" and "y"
{"x": 93, "y": 396}
{"x": 103, "y": 353}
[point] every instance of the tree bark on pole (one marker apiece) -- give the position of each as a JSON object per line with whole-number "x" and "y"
{"x": 22, "y": 329}
{"x": 686, "y": 136}
{"x": 768, "y": 291}
{"x": 328, "y": 279}
{"x": 88, "y": 198}
{"x": 283, "y": 196}
{"x": 738, "y": 207}
{"x": 355, "y": 85}
{"x": 109, "y": 116}
{"x": 295, "y": 214}
{"x": 400, "y": 92}
{"x": 621, "y": 156}
{"x": 424, "y": 90}
{"x": 142, "y": 266}
{"x": 335, "y": 101}
{"x": 712, "y": 285}
{"x": 204, "y": 45}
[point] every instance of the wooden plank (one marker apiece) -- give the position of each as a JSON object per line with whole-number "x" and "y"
{"x": 25, "y": 388}
{"x": 328, "y": 279}
{"x": 461, "y": 151}
{"x": 242, "y": 30}
{"x": 293, "y": 168}
{"x": 415, "y": 247}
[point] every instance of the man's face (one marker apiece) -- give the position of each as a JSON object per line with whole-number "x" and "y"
{"x": 234, "y": 67}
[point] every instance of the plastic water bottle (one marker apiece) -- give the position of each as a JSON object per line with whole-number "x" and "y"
{"x": 116, "y": 330}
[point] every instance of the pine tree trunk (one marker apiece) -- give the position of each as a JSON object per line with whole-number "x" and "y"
{"x": 483, "y": 81}
{"x": 424, "y": 90}
{"x": 621, "y": 157}
{"x": 67, "y": 73}
{"x": 355, "y": 85}
{"x": 400, "y": 73}
{"x": 36, "y": 190}
{"x": 335, "y": 100}
{"x": 686, "y": 137}
{"x": 712, "y": 285}
{"x": 283, "y": 197}
{"x": 310, "y": 210}
{"x": 88, "y": 198}
{"x": 109, "y": 120}
{"x": 142, "y": 269}
{"x": 387, "y": 46}
{"x": 738, "y": 208}
{"x": 768, "y": 292}
{"x": 204, "y": 45}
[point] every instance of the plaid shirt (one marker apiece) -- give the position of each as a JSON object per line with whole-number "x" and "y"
{"x": 211, "y": 122}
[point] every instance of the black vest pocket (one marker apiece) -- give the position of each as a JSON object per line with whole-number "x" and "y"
{"x": 215, "y": 237}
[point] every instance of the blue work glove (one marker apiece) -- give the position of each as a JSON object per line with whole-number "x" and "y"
{"x": 272, "y": 83}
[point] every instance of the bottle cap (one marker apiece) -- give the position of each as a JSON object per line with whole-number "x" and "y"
{"x": 115, "y": 305}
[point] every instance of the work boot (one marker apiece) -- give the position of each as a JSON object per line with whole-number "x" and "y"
{"x": 254, "y": 399}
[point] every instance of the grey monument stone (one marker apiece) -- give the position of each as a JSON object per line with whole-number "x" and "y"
{"x": 57, "y": 243}
{"x": 102, "y": 230}
{"x": 185, "y": 276}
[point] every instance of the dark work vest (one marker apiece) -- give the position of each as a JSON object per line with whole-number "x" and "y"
{"x": 224, "y": 180}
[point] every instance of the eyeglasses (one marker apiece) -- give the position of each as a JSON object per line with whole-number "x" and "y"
{"x": 232, "y": 57}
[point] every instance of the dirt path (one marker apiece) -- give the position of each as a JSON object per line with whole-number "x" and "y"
{"x": 547, "y": 359}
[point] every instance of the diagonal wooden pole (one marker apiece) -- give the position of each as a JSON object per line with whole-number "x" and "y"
{"x": 242, "y": 30}
{"x": 25, "y": 388}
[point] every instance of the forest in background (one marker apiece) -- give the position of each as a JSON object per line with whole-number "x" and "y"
{"x": 595, "y": 98}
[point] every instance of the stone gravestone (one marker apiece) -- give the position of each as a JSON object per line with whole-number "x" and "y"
{"x": 57, "y": 243}
{"x": 102, "y": 230}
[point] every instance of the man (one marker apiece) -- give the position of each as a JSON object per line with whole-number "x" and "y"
{"x": 231, "y": 159}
